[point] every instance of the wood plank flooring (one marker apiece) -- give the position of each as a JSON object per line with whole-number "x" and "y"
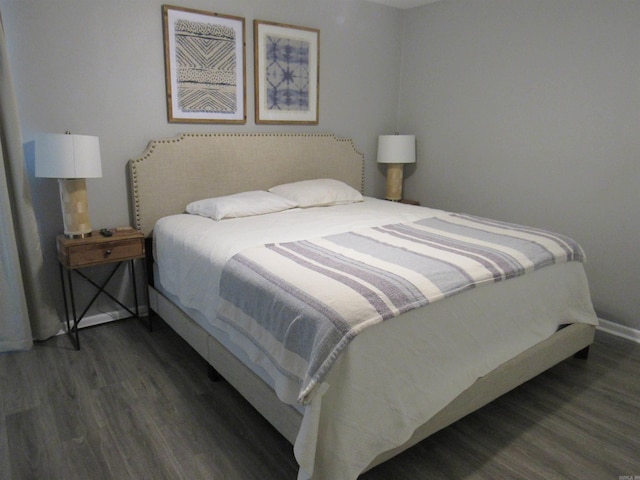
{"x": 137, "y": 405}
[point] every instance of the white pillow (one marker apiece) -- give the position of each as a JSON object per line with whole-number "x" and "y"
{"x": 318, "y": 193}
{"x": 243, "y": 204}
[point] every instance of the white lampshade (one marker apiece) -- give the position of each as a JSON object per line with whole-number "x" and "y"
{"x": 70, "y": 159}
{"x": 396, "y": 149}
{"x": 67, "y": 156}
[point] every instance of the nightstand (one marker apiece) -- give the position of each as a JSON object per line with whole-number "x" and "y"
{"x": 123, "y": 246}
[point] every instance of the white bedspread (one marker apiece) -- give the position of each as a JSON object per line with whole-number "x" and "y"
{"x": 192, "y": 250}
{"x": 393, "y": 377}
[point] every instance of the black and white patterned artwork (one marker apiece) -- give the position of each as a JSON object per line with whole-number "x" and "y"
{"x": 207, "y": 67}
{"x": 204, "y": 56}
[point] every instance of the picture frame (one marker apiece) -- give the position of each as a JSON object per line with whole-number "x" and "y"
{"x": 286, "y": 73}
{"x": 205, "y": 65}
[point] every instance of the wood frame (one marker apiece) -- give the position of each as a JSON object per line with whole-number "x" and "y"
{"x": 209, "y": 93}
{"x": 298, "y": 105}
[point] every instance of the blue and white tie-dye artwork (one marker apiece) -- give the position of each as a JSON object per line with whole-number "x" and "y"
{"x": 287, "y": 73}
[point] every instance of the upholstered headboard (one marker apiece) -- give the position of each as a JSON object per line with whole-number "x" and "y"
{"x": 173, "y": 172}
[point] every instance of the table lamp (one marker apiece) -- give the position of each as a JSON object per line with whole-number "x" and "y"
{"x": 395, "y": 151}
{"x": 70, "y": 159}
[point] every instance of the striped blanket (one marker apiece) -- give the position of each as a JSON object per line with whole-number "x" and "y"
{"x": 301, "y": 303}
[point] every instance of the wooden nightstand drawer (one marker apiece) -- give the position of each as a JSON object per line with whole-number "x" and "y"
{"x": 97, "y": 250}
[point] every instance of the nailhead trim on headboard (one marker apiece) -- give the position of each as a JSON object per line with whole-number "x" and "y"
{"x": 176, "y": 170}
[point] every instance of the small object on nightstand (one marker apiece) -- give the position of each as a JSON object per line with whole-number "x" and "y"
{"x": 108, "y": 247}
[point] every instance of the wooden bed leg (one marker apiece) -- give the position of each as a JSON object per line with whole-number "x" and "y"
{"x": 582, "y": 354}
{"x": 213, "y": 374}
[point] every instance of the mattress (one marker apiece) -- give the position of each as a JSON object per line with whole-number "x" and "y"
{"x": 409, "y": 367}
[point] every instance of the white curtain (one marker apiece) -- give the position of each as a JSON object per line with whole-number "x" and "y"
{"x": 26, "y": 308}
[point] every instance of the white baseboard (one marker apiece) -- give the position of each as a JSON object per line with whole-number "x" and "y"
{"x": 105, "y": 317}
{"x": 619, "y": 330}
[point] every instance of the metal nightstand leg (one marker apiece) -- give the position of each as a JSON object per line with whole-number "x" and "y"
{"x": 135, "y": 291}
{"x": 72, "y": 324}
{"x": 76, "y": 343}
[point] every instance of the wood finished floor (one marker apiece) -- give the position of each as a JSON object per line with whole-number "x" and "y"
{"x": 137, "y": 405}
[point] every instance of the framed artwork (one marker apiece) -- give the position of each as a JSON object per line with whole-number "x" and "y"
{"x": 287, "y": 61}
{"x": 205, "y": 57}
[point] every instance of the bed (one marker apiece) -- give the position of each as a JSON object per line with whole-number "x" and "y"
{"x": 394, "y": 383}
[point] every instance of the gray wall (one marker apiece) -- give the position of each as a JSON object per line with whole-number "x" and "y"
{"x": 529, "y": 111}
{"x": 97, "y": 67}
{"x": 524, "y": 111}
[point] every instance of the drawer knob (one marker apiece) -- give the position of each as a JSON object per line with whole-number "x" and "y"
{"x": 107, "y": 253}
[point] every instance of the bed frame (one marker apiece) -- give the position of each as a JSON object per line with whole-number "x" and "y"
{"x": 173, "y": 172}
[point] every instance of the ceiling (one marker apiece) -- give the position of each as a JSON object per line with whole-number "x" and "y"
{"x": 404, "y": 3}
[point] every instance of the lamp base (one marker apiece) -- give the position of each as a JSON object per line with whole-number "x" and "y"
{"x": 394, "y": 181}
{"x": 73, "y": 236}
{"x": 75, "y": 207}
